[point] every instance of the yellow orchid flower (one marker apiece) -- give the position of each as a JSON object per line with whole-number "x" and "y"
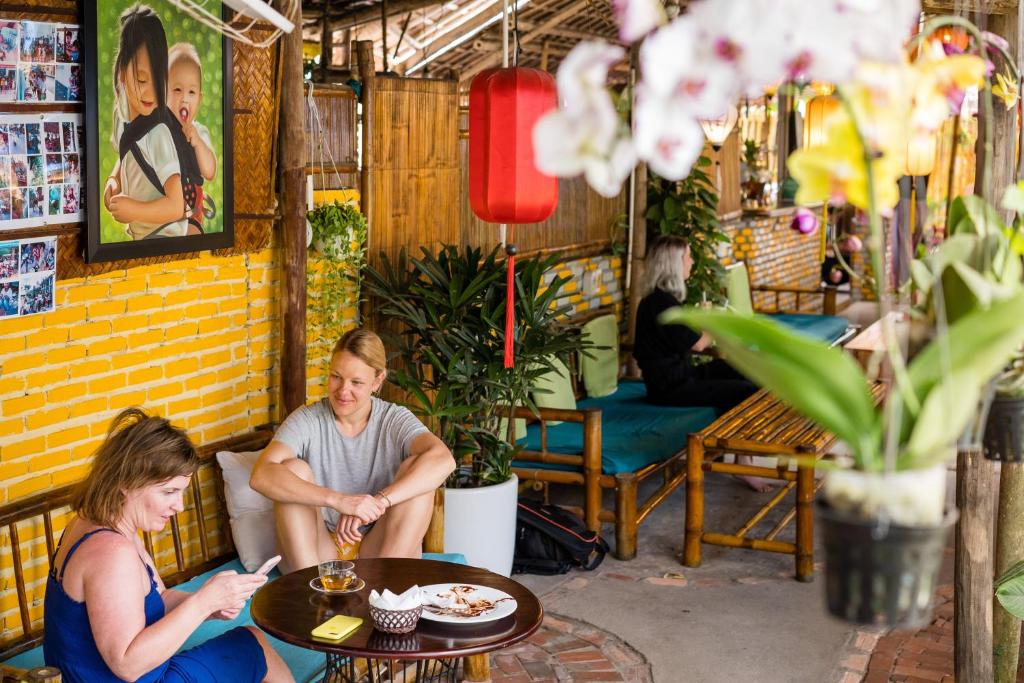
{"x": 1006, "y": 90}
{"x": 836, "y": 171}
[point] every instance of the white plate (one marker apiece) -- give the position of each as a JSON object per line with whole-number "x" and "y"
{"x": 505, "y": 604}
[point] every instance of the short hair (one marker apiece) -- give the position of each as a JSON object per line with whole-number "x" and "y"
{"x": 365, "y": 345}
{"x": 663, "y": 267}
{"x": 140, "y": 450}
{"x": 188, "y": 52}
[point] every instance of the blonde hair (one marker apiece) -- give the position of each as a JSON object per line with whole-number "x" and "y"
{"x": 140, "y": 450}
{"x": 187, "y": 51}
{"x": 663, "y": 267}
{"x": 366, "y": 346}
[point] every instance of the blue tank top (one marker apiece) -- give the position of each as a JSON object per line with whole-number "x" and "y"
{"x": 68, "y": 643}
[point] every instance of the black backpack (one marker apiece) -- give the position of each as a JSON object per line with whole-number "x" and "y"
{"x": 550, "y": 540}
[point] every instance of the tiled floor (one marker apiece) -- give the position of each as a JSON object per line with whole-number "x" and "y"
{"x": 566, "y": 649}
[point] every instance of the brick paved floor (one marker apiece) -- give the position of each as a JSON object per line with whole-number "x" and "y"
{"x": 565, "y": 649}
{"x": 873, "y": 656}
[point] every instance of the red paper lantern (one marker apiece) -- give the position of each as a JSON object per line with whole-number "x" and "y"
{"x": 504, "y": 183}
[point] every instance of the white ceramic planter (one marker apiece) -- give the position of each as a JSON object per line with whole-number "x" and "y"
{"x": 480, "y": 523}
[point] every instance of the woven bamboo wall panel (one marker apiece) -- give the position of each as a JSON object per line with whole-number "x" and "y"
{"x": 415, "y": 173}
{"x": 255, "y": 76}
{"x": 728, "y": 158}
{"x": 334, "y": 154}
{"x": 41, "y": 10}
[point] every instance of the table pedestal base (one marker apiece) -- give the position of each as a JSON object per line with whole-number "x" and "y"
{"x": 342, "y": 669}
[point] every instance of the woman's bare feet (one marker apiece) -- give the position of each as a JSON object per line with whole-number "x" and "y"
{"x": 753, "y": 483}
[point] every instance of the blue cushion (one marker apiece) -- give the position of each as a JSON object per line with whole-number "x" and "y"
{"x": 304, "y": 664}
{"x": 827, "y": 328}
{"x": 634, "y": 433}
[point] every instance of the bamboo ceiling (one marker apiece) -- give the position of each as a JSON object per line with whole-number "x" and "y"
{"x": 420, "y": 30}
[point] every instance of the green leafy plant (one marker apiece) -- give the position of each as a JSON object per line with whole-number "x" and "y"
{"x": 689, "y": 208}
{"x": 1010, "y": 590}
{"x": 334, "y": 277}
{"x": 451, "y": 309}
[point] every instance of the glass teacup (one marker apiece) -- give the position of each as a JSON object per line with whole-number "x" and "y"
{"x": 337, "y": 575}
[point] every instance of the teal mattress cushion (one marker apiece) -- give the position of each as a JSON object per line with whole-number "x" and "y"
{"x": 634, "y": 433}
{"x": 305, "y": 664}
{"x": 827, "y": 328}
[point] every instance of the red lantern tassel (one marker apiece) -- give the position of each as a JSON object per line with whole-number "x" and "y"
{"x": 510, "y": 301}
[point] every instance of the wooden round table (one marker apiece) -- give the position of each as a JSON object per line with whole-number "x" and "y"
{"x": 288, "y": 608}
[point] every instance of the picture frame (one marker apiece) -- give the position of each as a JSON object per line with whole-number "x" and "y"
{"x": 132, "y": 200}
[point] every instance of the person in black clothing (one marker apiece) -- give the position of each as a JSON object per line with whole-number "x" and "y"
{"x": 665, "y": 352}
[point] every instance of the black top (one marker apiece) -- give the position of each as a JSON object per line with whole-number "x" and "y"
{"x": 662, "y": 351}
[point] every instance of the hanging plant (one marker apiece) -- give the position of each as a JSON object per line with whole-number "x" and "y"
{"x": 334, "y": 278}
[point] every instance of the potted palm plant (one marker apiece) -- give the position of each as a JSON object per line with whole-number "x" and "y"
{"x": 450, "y": 306}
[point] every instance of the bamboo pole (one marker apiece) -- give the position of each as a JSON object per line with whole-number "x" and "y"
{"x": 1009, "y": 550}
{"x": 293, "y": 223}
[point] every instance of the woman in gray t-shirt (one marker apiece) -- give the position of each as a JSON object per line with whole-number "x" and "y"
{"x": 360, "y": 459}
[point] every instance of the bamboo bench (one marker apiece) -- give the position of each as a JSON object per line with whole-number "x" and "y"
{"x": 765, "y": 426}
{"x": 197, "y": 522}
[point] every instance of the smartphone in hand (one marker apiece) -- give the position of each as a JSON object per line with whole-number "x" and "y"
{"x": 268, "y": 565}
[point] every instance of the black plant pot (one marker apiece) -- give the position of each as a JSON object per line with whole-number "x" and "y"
{"x": 1004, "y": 431}
{"x": 878, "y": 574}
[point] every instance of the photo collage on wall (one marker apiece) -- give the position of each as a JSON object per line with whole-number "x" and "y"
{"x": 27, "y": 272}
{"x": 40, "y": 169}
{"x": 39, "y": 62}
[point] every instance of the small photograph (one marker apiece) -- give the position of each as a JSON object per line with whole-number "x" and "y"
{"x": 71, "y": 204}
{"x": 4, "y": 147}
{"x": 72, "y": 169}
{"x": 36, "y": 172}
{"x": 32, "y": 141}
{"x": 5, "y": 206}
{"x": 54, "y": 169}
{"x": 8, "y": 83}
{"x": 38, "y": 256}
{"x": 37, "y": 42}
{"x": 8, "y": 41}
{"x": 67, "y": 129}
{"x": 53, "y": 205}
{"x": 19, "y": 172}
{"x": 36, "y": 83}
{"x": 19, "y": 203}
{"x": 36, "y": 202}
{"x": 5, "y": 173}
{"x": 79, "y": 137}
{"x": 67, "y": 47}
{"x": 36, "y": 294}
{"x": 16, "y": 138}
{"x": 9, "y": 298}
{"x": 8, "y": 259}
{"x": 67, "y": 84}
{"x": 51, "y": 136}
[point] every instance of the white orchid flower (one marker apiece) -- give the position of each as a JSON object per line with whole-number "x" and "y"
{"x": 584, "y": 72}
{"x": 670, "y": 67}
{"x": 637, "y": 18}
{"x": 743, "y": 35}
{"x": 667, "y": 135}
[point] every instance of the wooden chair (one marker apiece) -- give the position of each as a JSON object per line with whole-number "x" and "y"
{"x": 614, "y": 441}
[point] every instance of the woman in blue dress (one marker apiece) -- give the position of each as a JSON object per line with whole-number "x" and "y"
{"x": 108, "y": 615}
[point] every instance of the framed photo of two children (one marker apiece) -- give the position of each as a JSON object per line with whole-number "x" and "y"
{"x": 158, "y": 131}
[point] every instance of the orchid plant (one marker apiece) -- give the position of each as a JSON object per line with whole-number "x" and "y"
{"x": 719, "y": 50}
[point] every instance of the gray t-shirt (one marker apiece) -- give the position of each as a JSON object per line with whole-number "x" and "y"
{"x": 360, "y": 464}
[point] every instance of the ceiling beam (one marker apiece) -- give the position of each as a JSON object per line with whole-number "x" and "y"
{"x": 538, "y": 32}
{"x": 983, "y": 6}
{"x": 438, "y": 41}
{"x": 366, "y": 15}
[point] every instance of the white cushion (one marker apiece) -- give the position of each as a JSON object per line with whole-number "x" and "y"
{"x": 251, "y": 514}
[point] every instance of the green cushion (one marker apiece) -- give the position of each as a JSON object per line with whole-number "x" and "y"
{"x": 737, "y": 287}
{"x": 600, "y": 367}
{"x": 555, "y": 388}
{"x": 827, "y": 328}
{"x": 634, "y": 433}
{"x": 520, "y": 427}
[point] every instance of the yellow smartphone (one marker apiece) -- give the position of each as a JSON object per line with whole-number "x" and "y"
{"x": 337, "y": 627}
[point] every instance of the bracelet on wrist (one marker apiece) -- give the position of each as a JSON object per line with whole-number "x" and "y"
{"x": 385, "y": 497}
